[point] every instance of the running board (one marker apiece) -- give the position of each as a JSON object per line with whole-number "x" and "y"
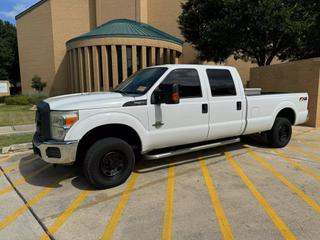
{"x": 190, "y": 149}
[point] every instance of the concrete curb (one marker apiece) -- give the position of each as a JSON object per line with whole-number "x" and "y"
{"x": 17, "y": 129}
{"x": 16, "y": 148}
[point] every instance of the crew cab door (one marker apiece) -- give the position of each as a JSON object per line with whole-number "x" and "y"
{"x": 185, "y": 122}
{"x": 227, "y": 103}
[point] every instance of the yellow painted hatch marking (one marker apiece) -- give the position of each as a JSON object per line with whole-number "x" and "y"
{"x": 66, "y": 214}
{"x": 297, "y": 165}
{"x": 167, "y": 223}
{"x": 285, "y": 181}
{"x": 115, "y": 218}
{"x": 278, "y": 222}
{"x": 4, "y": 223}
{"x": 222, "y": 218}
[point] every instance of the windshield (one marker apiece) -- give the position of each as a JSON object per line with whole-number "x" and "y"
{"x": 140, "y": 82}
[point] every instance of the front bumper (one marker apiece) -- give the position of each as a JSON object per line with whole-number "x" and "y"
{"x": 55, "y": 152}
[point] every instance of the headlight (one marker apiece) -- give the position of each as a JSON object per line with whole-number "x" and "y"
{"x": 61, "y": 122}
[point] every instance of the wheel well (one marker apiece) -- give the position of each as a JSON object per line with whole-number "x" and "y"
{"x": 289, "y": 114}
{"x": 121, "y": 131}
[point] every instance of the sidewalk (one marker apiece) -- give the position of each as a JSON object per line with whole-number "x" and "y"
{"x": 17, "y": 129}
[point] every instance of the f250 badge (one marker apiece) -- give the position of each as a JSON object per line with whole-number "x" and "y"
{"x": 302, "y": 99}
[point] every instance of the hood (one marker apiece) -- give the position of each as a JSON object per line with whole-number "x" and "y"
{"x": 90, "y": 100}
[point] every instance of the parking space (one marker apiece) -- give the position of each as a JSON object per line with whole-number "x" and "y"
{"x": 242, "y": 191}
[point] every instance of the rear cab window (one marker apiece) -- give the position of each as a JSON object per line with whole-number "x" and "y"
{"x": 188, "y": 81}
{"x": 221, "y": 82}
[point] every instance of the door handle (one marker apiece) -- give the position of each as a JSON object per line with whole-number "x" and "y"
{"x": 239, "y": 106}
{"x": 204, "y": 108}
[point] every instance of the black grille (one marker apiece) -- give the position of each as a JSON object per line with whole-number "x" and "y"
{"x": 43, "y": 120}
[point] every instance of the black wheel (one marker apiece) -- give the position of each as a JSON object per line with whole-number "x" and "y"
{"x": 108, "y": 163}
{"x": 280, "y": 134}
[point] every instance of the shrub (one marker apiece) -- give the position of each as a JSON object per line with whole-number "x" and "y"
{"x": 24, "y": 99}
{"x": 2, "y": 99}
{"x": 17, "y": 100}
{"x": 37, "y": 84}
{"x": 34, "y": 99}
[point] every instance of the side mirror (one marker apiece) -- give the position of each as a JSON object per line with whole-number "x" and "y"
{"x": 166, "y": 93}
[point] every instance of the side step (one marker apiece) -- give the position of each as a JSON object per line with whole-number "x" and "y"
{"x": 190, "y": 149}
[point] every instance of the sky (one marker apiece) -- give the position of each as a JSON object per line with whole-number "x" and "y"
{"x": 10, "y": 8}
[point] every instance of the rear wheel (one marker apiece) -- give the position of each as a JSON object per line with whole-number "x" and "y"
{"x": 280, "y": 134}
{"x": 108, "y": 163}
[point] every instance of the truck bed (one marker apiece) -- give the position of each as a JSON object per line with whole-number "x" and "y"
{"x": 262, "y": 109}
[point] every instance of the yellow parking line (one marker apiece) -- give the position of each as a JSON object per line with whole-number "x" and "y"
{"x": 278, "y": 222}
{"x": 307, "y": 132}
{"x": 4, "y": 223}
{"x": 307, "y": 143}
{"x": 115, "y": 218}
{"x": 65, "y": 215}
{"x": 24, "y": 179}
{"x": 167, "y": 224}
{"x": 15, "y": 166}
{"x": 285, "y": 181}
{"x": 297, "y": 165}
{"x": 5, "y": 158}
{"x": 297, "y": 149}
{"x": 222, "y": 219}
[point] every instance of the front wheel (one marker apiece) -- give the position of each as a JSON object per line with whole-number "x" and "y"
{"x": 108, "y": 163}
{"x": 280, "y": 134}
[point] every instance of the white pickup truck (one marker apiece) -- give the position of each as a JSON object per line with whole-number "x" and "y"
{"x": 160, "y": 112}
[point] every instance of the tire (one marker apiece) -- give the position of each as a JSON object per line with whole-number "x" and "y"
{"x": 280, "y": 134}
{"x": 108, "y": 163}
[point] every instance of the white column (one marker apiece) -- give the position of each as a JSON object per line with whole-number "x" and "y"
{"x": 96, "y": 72}
{"x": 105, "y": 68}
{"x": 134, "y": 59}
{"x": 124, "y": 62}
{"x": 115, "y": 75}
{"x": 75, "y": 70}
{"x": 80, "y": 66}
{"x": 87, "y": 69}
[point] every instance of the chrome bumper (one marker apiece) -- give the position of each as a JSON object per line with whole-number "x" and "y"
{"x": 54, "y": 151}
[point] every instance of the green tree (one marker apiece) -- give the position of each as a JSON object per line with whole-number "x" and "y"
{"x": 37, "y": 84}
{"x": 9, "y": 61}
{"x": 252, "y": 30}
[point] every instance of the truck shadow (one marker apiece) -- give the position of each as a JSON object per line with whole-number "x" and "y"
{"x": 39, "y": 173}
{"x": 58, "y": 174}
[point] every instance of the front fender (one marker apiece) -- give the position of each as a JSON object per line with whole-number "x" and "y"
{"x": 84, "y": 126}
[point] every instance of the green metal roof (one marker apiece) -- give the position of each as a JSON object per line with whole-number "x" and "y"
{"x": 128, "y": 28}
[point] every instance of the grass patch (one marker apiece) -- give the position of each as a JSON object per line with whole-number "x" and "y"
{"x": 15, "y": 139}
{"x": 16, "y": 115}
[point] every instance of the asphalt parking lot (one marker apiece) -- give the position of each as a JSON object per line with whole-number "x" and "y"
{"x": 242, "y": 191}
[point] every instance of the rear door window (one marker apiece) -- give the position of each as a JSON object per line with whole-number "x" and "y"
{"x": 221, "y": 82}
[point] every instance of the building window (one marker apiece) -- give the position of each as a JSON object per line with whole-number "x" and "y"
{"x": 148, "y": 56}
{"x": 119, "y": 57}
{"x": 129, "y": 60}
{"x": 100, "y": 67}
{"x": 139, "y": 57}
{"x": 110, "y": 67}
